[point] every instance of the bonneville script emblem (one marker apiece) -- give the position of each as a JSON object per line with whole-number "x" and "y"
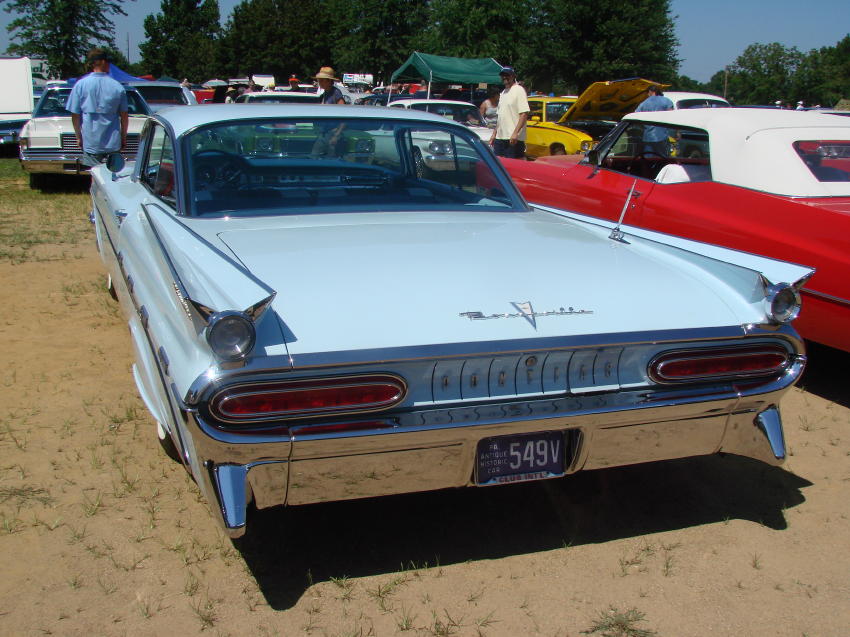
{"x": 524, "y": 311}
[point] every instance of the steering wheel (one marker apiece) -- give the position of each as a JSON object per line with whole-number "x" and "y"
{"x": 213, "y": 166}
{"x": 643, "y": 158}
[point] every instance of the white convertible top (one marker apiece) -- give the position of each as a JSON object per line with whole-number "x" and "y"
{"x": 185, "y": 118}
{"x": 753, "y": 147}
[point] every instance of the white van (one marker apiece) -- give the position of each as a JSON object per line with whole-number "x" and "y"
{"x": 16, "y": 97}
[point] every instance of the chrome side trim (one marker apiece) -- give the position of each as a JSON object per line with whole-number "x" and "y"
{"x": 825, "y": 296}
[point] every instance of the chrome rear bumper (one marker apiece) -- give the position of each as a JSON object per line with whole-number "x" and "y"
{"x": 436, "y": 448}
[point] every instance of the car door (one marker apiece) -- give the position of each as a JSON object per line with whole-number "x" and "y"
{"x": 601, "y": 190}
{"x": 535, "y": 135}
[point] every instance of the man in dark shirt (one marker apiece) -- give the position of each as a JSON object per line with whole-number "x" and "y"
{"x": 329, "y": 94}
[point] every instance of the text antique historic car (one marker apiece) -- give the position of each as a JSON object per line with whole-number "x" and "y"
{"x": 309, "y": 309}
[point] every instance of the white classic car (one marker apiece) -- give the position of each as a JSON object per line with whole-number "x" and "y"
{"x": 48, "y": 143}
{"x": 434, "y": 150}
{"x": 684, "y": 99}
{"x": 317, "y": 321}
{"x": 161, "y": 94}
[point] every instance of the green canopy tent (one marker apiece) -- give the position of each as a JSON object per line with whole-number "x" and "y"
{"x": 439, "y": 68}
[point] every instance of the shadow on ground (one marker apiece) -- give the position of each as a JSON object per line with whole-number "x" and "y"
{"x": 288, "y": 549}
{"x": 827, "y": 373}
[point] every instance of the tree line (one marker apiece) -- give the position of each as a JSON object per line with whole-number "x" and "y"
{"x": 556, "y": 45}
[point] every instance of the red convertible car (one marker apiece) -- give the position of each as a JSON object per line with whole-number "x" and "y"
{"x": 769, "y": 182}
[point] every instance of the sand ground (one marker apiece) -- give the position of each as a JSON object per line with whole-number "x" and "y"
{"x": 101, "y": 534}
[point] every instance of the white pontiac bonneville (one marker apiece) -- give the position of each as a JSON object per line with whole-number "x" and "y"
{"x": 314, "y": 319}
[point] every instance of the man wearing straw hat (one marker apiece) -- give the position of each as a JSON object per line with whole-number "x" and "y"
{"x": 330, "y": 94}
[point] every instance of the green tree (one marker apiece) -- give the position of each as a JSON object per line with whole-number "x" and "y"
{"x": 376, "y": 36}
{"x": 277, "y": 37}
{"x": 578, "y": 42}
{"x": 824, "y": 74}
{"x": 61, "y": 31}
{"x": 181, "y": 39}
{"x": 762, "y": 74}
{"x": 468, "y": 28}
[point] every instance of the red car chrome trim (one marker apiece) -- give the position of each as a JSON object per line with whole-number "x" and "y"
{"x": 825, "y": 296}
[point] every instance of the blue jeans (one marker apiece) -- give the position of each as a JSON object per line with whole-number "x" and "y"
{"x": 504, "y": 148}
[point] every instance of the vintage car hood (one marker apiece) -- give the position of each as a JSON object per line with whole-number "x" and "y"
{"x": 609, "y": 100}
{"x": 46, "y": 131}
{"x": 366, "y": 281}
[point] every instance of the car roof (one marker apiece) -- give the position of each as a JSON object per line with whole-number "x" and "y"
{"x": 686, "y": 95}
{"x": 411, "y": 102}
{"x": 548, "y": 98}
{"x": 153, "y": 83}
{"x": 753, "y": 148}
{"x": 185, "y": 118}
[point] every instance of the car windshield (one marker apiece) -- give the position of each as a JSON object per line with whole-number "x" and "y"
{"x": 828, "y": 160}
{"x": 556, "y": 110}
{"x": 323, "y": 165}
{"x": 461, "y": 113}
{"x": 52, "y": 104}
{"x": 162, "y": 94}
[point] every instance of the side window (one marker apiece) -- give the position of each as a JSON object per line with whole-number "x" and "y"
{"x": 666, "y": 154}
{"x": 535, "y": 109}
{"x": 158, "y": 172}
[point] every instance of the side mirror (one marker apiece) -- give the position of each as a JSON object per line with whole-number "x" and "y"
{"x": 535, "y": 118}
{"x": 115, "y": 163}
{"x": 593, "y": 156}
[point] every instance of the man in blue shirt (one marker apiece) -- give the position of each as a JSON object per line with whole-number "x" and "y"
{"x": 98, "y": 106}
{"x": 655, "y": 138}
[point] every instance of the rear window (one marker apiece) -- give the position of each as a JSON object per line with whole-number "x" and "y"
{"x": 162, "y": 94}
{"x": 324, "y": 165}
{"x": 828, "y": 160}
{"x": 701, "y": 103}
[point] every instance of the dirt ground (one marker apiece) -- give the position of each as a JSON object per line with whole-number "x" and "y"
{"x": 101, "y": 534}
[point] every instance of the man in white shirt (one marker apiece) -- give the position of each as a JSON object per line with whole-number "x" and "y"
{"x": 508, "y": 138}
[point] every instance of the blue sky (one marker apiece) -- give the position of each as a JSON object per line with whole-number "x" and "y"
{"x": 712, "y": 33}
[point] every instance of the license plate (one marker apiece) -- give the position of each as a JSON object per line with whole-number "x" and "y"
{"x": 519, "y": 458}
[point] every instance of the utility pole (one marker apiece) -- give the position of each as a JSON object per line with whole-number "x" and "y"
{"x": 128, "y": 47}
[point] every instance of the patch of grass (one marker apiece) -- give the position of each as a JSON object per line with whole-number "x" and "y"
{"x": 440, "y": 627}
{"x": 205, "y": 612}
{"x": 19, "y": 441}
{"x": 24, "y": 494}
{"x": 616, "y": 623}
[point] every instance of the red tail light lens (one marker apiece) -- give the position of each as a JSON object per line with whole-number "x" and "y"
{"x": 718, "y": 364}
{"x": 311, "y": 397}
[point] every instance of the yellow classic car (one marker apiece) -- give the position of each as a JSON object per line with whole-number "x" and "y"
{"x": 568, "y": 125}
{"x": 546, "y": 136}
